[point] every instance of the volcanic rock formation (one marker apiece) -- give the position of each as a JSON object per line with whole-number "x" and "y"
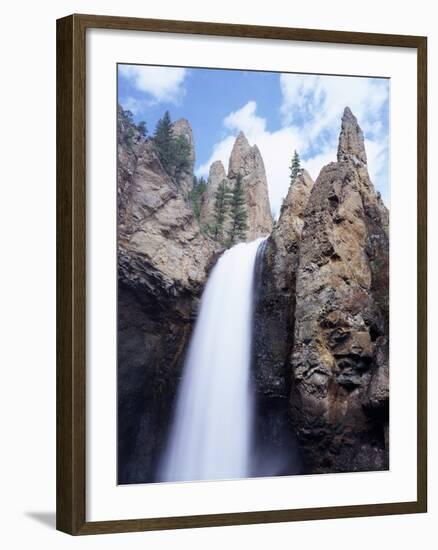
{"x": 326, "y": 272}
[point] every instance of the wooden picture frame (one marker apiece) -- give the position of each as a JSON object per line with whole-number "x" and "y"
{"x": 71, "y": 272}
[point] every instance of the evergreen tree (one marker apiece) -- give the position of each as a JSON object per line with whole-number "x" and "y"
{"x": 196, "y": 194}
{"x": 129, "y": 117}
{"x": 126, "y": 127}
{"x": 163, "y": 138}
{"x": 239, "y": 215}
{"x": 141, "y": 127}
{"x": 174, "y": 151}
{"x": 222, "y": 201}
{"x": 179, "y": 154}
{"x": 295, "y": 167}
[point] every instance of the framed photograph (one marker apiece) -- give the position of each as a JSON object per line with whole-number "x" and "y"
{"x": 241, "y": 274}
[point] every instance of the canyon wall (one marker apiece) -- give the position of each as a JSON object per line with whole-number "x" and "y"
{"x": 321, "y": 322}
{"x": 163, "y": 261}
{"x": 326, "y": 290}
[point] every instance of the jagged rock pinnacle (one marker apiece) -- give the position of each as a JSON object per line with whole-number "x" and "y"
{"x": 247, "y": 162}
{"x": 182, "y": 127}
{"x": 216, "y": 176}
{"x": 240, "y": 149}
{"x": 351, "y": 141}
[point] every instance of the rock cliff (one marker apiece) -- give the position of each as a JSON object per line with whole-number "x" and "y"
{"x": 325, "y": 294}
{"x": 247, "y": 161}
{"x": 216, "y": 176}
{"x": 274, "y": 319}
{"x": 163, "y": 261}
{"x": 181, "y": 127}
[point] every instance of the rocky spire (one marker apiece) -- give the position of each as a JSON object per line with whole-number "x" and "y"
{"x": 351, "y": 142}
{"x": 340, "y": 351}
{"x": 181, "y": 127}
{"x": 322, "y": 313}
{"x": 295, "y": 202}
{"x": 247, "y": 161}
{"x": 216, "y": 176}
{"x": 286, "y": 236}
{"x": 241, "y": 149}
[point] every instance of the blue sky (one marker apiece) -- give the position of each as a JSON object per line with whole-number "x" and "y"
{"x": 279, "y": 112}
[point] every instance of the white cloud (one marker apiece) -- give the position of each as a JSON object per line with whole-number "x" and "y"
{"x": 136, "y": 106}
{"x": 164, "y": 84}
{"x": 302, "y": 92}
{"x": 311, "y": 110}
{"x": 320, "y": 101}
{"x": 377, "y": 156}
{"x": 245, "y": 119}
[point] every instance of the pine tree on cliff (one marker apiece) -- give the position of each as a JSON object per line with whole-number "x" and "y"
{"x": 221, "y": 206}
{"x": 163, "y": 138}
{"x": 238, "y": 213}
{"x": 142, "y": 128}
{"x": 179, "y": 153}
{"x": 295, "y": 167}
{"x": 125, "y": 127}
{"x": 196, "y": 194}
{"x": 174, "y": 151}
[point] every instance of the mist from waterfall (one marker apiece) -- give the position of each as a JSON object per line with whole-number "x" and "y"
{"x": 210, "y": 437}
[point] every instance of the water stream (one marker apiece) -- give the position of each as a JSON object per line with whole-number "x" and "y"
{"x": 211, "y": 433}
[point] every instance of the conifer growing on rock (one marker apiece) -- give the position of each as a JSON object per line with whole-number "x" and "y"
{"x": 163, "y": 139}
{"x": 247, "y": 161}
{"x": 142, "y": 128}
{"x": 196, "y": 195}
{"x": 221, "y": 210}
{"x": 173, "y": 150}
{"x": 295, "y": 167}
{"x": 238, "y": 213}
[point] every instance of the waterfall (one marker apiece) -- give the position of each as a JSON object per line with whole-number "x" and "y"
{"x": 211, "y": 433}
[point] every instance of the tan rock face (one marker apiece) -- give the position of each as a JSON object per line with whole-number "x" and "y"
{"x": 339, "y": 359}
{"x": 183, "y": 128}
{"x": 286, "y": 235}
{"x": 216, "y": 176}
{"x": 274, "y": 318}
{"x": 247, "y": 161}
{"x": 321, "y": 315}
{"x": 351, "y": 143}
{"x": 156, "y": 223}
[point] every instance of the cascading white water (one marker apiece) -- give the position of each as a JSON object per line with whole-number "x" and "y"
{"x": 211, "y": 432}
